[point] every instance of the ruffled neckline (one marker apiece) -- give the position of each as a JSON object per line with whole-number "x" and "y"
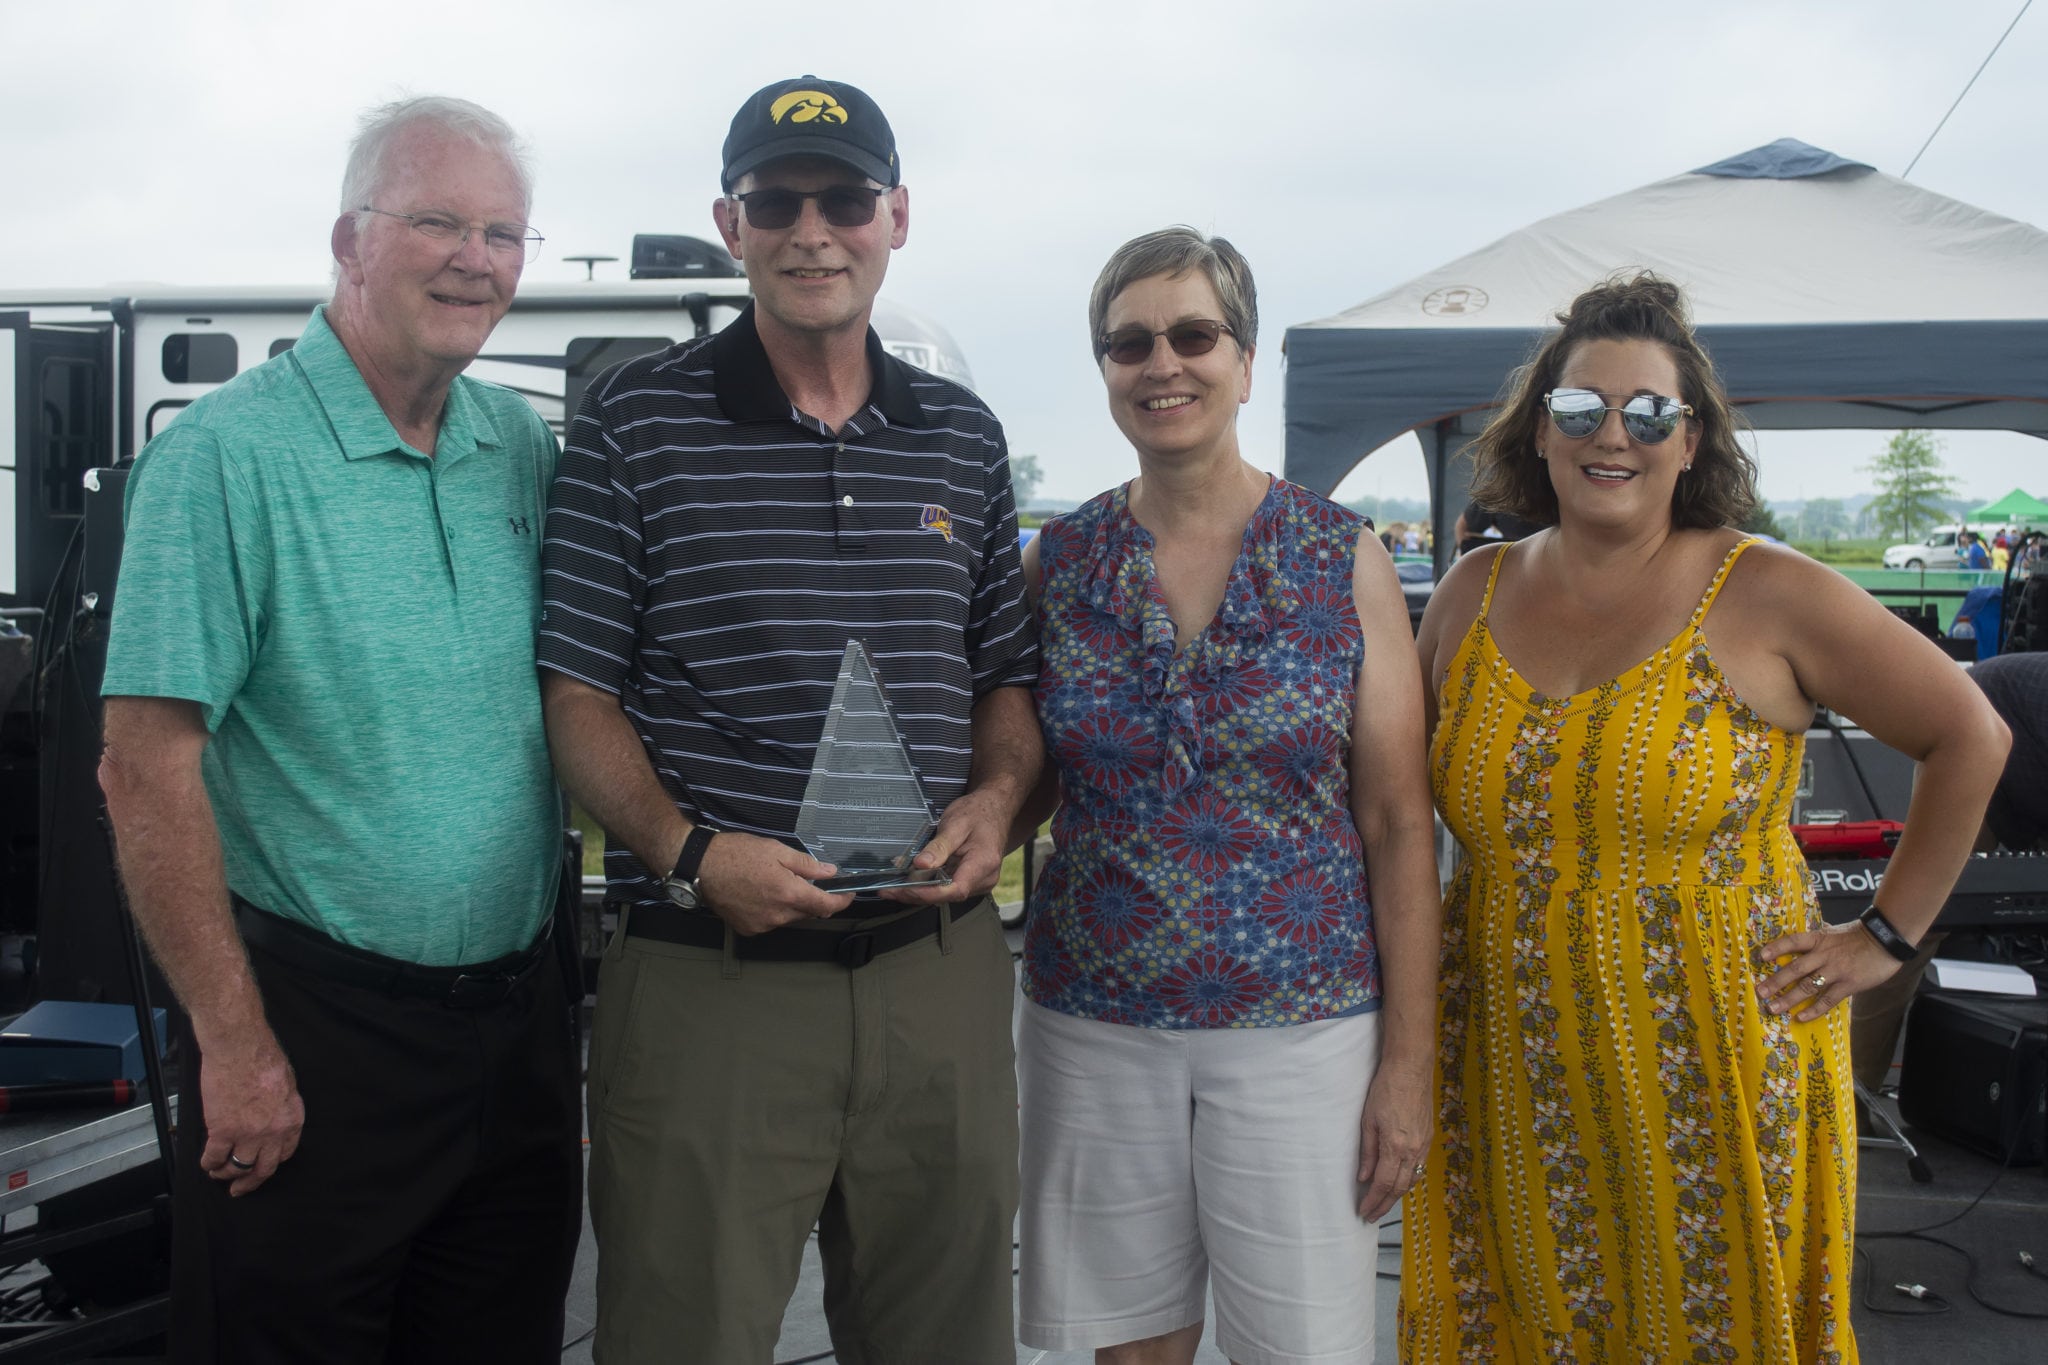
{"x": 1120, "y": 579}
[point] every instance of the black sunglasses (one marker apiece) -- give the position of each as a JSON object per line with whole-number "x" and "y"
{"x": 841, "y": 206}
{"x": 1649, "y": 418}
{"x": 1133, "y": 345}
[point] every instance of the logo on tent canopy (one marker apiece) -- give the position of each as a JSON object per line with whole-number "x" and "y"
{"x": 1454, "y": 301}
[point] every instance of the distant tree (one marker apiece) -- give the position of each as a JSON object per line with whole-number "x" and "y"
{"x": 1823, "y": 518}
{"x": 1406, "y": 509}
{"x": 1761, "y": 522}
{"x": 1025, "y": 476}
{"x": 1911, "y": 482}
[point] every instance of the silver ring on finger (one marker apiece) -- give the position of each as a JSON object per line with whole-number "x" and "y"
{"x": 240, "y": 1164}
{"x": 1418, "y": 1172}
{"x": 1816, "y": 983}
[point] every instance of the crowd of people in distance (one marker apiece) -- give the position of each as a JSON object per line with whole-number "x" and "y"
{"x": 1408, "y": 538}
{"x": 2009, "y": 549}
{"x": 1605, "y": 1073}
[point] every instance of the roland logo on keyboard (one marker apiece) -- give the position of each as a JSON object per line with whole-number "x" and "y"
{"x": 1844, "y": 881}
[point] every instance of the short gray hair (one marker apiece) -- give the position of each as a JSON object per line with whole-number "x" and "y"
{"x": 382, "y": 127}
{"x": 1176, "y": 251}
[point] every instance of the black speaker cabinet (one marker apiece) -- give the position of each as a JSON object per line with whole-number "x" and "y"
{"x": 1976, "y": 1072}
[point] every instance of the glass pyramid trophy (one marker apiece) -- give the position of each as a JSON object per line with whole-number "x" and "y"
{"x": 864, "y": 808}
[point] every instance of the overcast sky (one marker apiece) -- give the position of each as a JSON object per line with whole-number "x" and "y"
{"x": 1345, "y": 147}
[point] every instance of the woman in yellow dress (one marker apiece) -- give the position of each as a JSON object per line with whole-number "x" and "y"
{"x": 1646, "y": 1150}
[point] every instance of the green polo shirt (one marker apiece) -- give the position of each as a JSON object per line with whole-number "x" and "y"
{"x": 356, "y": 622}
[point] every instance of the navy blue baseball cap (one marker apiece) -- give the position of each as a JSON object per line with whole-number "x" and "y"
{"x": 810, "y": 117}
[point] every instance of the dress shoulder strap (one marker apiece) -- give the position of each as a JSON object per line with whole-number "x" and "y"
{"x": 1493, "y": 577}
{"x": 1699, "y": 613}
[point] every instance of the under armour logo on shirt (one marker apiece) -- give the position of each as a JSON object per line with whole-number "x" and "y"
{"x": 520, "y": 526}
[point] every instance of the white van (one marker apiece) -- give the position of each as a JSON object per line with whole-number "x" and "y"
{"x": 1938, "y": 551}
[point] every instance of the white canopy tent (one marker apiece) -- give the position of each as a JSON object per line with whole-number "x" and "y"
{"x": 1829, "y": 293}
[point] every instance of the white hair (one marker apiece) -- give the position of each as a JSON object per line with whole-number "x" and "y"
{"x": 382, "y": 127}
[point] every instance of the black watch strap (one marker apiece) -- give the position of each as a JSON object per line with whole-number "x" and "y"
{"x": 1888, "y": 938}
{"x": 692, "y": 856}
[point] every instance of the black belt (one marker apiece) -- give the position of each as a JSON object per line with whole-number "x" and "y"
{"x": 848, "y": 948}
{"x": 475, "y": 986}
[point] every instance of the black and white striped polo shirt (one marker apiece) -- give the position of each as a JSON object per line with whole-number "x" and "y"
{"x": 710, "y": 550}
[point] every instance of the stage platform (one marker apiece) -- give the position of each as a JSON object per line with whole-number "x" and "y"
{"x": 2011, "y": 1218}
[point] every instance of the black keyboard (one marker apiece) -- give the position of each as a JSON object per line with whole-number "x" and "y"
{"x": 1996, "y": 890}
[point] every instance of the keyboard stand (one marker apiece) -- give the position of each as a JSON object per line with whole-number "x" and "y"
{"x": 1891, "y": 1137}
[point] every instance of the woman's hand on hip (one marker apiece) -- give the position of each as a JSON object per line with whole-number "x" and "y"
{"x": 1828, "y": 965}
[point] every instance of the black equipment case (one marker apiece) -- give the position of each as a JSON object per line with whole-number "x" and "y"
{"x": 1976, "y": 1072}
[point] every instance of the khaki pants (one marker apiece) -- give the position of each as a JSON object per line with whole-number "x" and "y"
{"x": 735, "y": 1104}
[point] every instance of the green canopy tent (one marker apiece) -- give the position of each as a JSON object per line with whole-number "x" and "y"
{"x": 2017, "y": 505}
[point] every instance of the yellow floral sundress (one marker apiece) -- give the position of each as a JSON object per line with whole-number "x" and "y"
{"x": 1634, "y": 1162}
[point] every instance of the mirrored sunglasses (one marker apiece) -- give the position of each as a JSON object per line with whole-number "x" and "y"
{"x": 841, "y": 206}
{"x": 1649, "y": 418}
{"x": 1133, "y": 345}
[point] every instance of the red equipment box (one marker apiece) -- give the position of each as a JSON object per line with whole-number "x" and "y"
{"x": 1849, "y": 839}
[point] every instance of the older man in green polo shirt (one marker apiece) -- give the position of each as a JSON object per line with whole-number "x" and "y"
{"x": 326, "y": 767}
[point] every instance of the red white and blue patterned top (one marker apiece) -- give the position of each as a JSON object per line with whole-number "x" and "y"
{"x": 1207, "y": 871}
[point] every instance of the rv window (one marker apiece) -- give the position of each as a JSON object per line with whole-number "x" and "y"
{"x": 200, "y": 357}
{"x": 280, "y": 346}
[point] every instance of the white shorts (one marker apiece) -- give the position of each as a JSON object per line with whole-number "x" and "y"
{"x": 1158, "y": 1160}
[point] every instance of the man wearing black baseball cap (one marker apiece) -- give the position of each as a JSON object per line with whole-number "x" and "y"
{"x": 769, "y": 1056}
{"x": 810, "y": 117}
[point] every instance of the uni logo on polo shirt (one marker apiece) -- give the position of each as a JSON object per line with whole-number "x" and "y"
{"x": 807, "y": 106}
{"x": 937, "y": 518}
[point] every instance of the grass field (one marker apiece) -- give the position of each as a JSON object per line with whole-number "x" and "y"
{"x": 1844, "y": 554}
{"x": 593, "y": 841}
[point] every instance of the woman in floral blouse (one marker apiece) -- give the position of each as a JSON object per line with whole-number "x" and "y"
{"x": 1225, "y": 1051}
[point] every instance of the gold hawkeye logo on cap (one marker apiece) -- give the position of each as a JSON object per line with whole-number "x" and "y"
{"x": 807, "y": 106}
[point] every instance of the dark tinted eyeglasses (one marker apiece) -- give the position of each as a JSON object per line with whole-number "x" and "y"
{"x": 842, "y": 206}
{"x": 1649, "y": 418}
{"x": 1133, "y": 345}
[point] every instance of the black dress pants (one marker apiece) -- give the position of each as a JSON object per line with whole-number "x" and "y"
{"x": 434, "y": 1205}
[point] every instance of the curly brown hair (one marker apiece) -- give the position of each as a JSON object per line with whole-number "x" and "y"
{"x": 1719, "y": 489}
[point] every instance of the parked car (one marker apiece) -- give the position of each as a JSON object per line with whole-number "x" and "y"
{"x": 1938, "y": 551}
{"x": 1418, "y": 581}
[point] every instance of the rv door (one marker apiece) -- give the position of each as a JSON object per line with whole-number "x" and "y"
{"x": 62, "y": 409}
{"x": 13, "y": 438}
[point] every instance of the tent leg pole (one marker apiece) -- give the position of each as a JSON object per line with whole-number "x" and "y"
{"x": 1441, "y": 518}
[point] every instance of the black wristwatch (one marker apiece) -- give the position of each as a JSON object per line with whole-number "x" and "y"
{"x": 1888, "y": 937}
{"x": 680, "y": 885}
